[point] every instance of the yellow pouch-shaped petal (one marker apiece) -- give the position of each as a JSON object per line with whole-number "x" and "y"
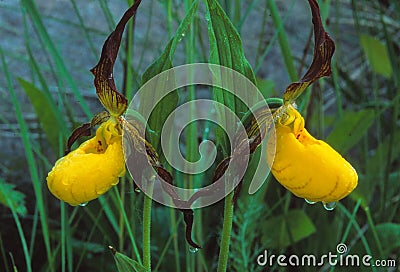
{"x": 308, "y": 167}
{"x": 91, "y": 170}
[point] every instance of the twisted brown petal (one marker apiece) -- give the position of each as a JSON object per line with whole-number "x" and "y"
{"x": 111, "y": 99}
{"x": 84, "y": 129}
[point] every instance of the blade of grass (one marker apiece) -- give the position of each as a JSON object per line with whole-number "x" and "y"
{"x": 34, "y": 231}
{"x": 21, "y": 236}
{"x": 127, "y": 224}
{"x": 174, "y": 225}
{"x": 283, "y": 41}
{"x": 30, "y": 159}
{"x": 147, "y": 37}
{"x": 84, "y": 29}
{"x": 357, "y": 228}
{"x": 121, "y": 198}
{"x": 167, "y": 245}
{"x": 254, "y": 4}
{"x": 109, "y": 214}
{"x": 373, "y": 229}
{"x": 351, "y": 222}
{"x": 395, "y": 64}
{"x": 3, "y": 254}
{"x": 62, "y": 71}
{"x": 274, "y": 37}
{"x": 36, "y": 70}
{"x": 66, "y": 241}
{"x": 108, "y": 15}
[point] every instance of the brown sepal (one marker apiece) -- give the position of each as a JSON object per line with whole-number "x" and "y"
{"x": 83, "y": 130}
{"x": 106, "y": 90}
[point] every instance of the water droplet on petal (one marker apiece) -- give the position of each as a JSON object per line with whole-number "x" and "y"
{"x": 193, "y": 249}
{"x": 310, "y": 201}
{"x": 329, "y": 206}
{"x": 83, "y": 204}
{"x": 137, "y": 190}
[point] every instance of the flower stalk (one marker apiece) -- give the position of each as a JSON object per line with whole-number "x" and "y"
{"x": 226, "y": 233}
{"x": 147, "y": 202}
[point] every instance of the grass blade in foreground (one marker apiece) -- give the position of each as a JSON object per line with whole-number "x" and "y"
{"x": 37, "y": 184}
{"x": 33, "y": 12}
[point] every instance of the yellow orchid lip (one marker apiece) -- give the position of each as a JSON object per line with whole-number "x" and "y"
{"x": 92, "y": 169}
{"x": 308, "y": 167}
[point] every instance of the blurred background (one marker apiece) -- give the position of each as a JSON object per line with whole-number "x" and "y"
{"x": 47, "y": 49}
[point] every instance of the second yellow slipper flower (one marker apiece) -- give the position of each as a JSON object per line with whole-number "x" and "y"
{"x": 92, "y": 169}
{"x": 308, "y": 167}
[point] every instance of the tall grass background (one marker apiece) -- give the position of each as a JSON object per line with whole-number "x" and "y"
{"x": 46, "y": 89}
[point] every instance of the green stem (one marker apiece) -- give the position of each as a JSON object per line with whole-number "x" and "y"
{"x": 121, "y": 233}
{"x": 373, "y": 229}
{"x": 147, "y": 231}
{"x": 226, "y": 233}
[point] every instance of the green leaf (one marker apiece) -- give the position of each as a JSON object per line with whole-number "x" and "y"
{"x": 226, "y": 50}
{"x": 377, "y": 55}
{"x": 163, "y": 63}
{"x": 389, "y": 234}
{"x": 126, "y": 264}
{"x": 44, "y": 111}
{"x": 280, "y": 231}
{"x": 12, "y": 198}
{"x": 350, "y": 128}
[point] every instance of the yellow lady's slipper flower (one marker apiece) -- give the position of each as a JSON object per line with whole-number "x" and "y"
{"x": 92, "y": 169}
{"x": 308, "y": 167}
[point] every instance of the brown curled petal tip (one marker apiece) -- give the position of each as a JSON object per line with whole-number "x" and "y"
{"x": 106, "y": 90}
{"x": 324, "y": 47}
{"x": 188, "y": 217}
{"x": 83, "y": 130}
